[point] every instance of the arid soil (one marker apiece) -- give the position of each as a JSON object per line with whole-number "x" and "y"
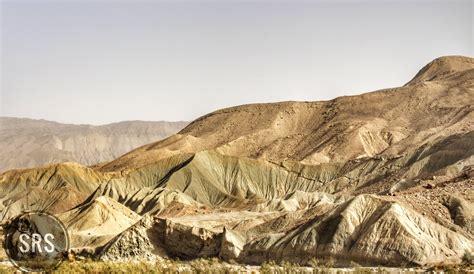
{"x": 381, "y": 178}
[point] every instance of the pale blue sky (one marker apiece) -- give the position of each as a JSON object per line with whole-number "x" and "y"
{"x": 105, "y": 61}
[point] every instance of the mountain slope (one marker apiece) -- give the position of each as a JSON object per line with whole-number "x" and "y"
{"x": 30, "y": 143}
{"x": 387, "y": 122}
{"x": 95, "y": 223}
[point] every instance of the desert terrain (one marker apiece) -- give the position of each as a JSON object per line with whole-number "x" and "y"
{"x": 385, "y": 178}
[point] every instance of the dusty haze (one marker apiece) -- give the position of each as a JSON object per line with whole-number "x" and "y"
{"x": 31, "y": 143}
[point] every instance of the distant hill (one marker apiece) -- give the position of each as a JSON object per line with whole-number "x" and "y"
{"x": 30, "y": 143}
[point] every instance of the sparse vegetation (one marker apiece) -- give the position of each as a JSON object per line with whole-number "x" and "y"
{"x": 354, "y": 264}
{"x": 468, "y": 258}
{"x": 214, "y": 265}
{"x": 268, "y": 267}
{"x": 284, "y": 267}
{"x": 202, "y": 265}
{"x": 330, "y": 262}
{"x": 314, "y": 262}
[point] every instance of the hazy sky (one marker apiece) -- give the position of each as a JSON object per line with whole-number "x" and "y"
{"x": 105, "y": 61}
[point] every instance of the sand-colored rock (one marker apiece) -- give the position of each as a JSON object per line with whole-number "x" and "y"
{"x": 462, "y": 212}
{"x": 93, "y": 224}
{"x": 55, "y": 188}
{"x": 133, "y": 243}
{"x": 367, "y": 229}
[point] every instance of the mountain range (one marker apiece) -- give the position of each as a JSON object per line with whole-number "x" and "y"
{"x": 381, "y": 178}
{"x": 33, "y": 143}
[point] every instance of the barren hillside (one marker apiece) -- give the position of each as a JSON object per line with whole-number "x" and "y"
{"x": 382, "y": 178}
{"x": 386, "y": 122}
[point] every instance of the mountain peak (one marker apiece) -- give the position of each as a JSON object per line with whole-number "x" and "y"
{"x": 443, "y": 66}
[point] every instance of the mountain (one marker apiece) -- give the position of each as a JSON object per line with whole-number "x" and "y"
{"x": 381, "y": 178}
{"x": 31, "y": 143}
{"x": 386, "y": 122}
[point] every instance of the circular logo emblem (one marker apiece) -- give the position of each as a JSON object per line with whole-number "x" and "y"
{"x": 36, "y": 241}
